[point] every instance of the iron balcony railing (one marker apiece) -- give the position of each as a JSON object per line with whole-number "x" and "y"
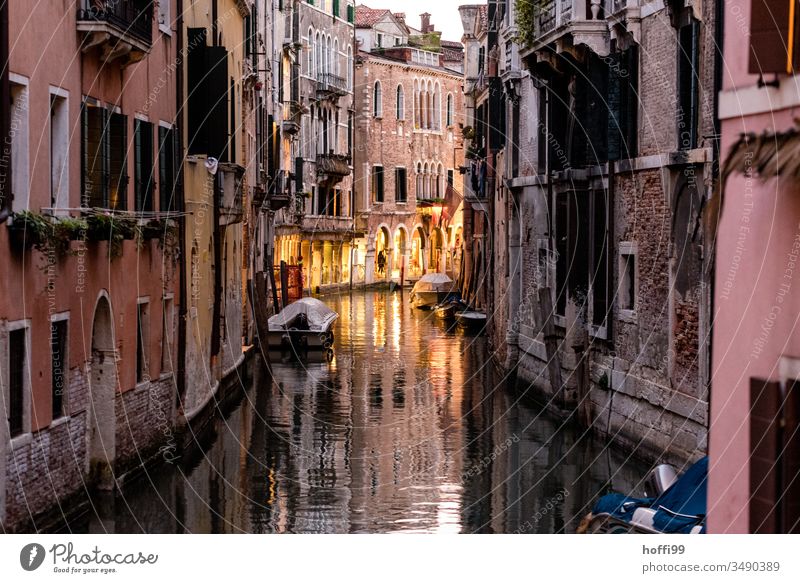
{"x": 133, "y": 17}
{"x": 330, "y": 83}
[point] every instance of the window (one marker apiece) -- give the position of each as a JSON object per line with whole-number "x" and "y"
{"x": 628, "y": 280}
{"x": 688, "y": 86}
{"x": 310, "y": 53}
{"x": 59, "y": 151}
{"x": 351, "y": 14}
{"x": 450, "y": 179}
{"x": 167, "y": 168}
{"x": 582, "y": 243}
{"x": 336, "y": 11}
{"x": 164, "y": 20}
{"x": 377, "y": 100}
{"x": 17, "y": 382}
{"x": 377, "y": 184}
{"x": 401, "y": 103}
{"x": 419, "y": 190}
{"x": 350, "y": 68}
{"x": 59, "y": 365}
{"x": 167, "y": 334}
{"x": 20, "y": 156}
{"x": 105, "y": 158}
{"x": 449, "y": 109}
{"x": 380, "y": 40}
{"x": 142, "y": 341}
{"x": 207, "y": 97}
{"x": 771, "y": 24}
{"x": 400, "y": 185}
{"x": 143, "y": 163}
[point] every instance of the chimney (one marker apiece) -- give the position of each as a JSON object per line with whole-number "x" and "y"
{"x": 426, "y": 23}
{"x": 401, "y": 16}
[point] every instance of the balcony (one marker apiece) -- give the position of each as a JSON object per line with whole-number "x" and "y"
{"x": 330, "y": 85}
{"x": 573, "y": 22}
{"x": 328, "y": 225}
{"x": 121, "y": 29}
{"x": 280, "y": 191}
{"x": 231, "y": 204}
{"x": 333, "y": 167}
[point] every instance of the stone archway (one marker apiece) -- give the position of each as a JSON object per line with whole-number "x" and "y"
{"x": 437, "y": 247}
{"x": 399, "y": 260}
{"x": 383, "y": 248}
{"x": 102, "y": 391}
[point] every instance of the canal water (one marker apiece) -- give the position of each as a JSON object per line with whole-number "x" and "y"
{"x": 408, "y": 428}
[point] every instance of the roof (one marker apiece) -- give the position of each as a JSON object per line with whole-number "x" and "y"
{"x": 452, "y": 44}
{"x": 367, "y": 17}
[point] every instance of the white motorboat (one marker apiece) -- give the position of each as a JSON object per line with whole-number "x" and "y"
{"x": 432, "y": 289}
{"x": 304, "y": 325}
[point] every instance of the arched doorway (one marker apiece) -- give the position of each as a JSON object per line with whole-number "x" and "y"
{"x": 102, "y": 390}
{"x": 417, "y": 265}
{"x": 382, "y": 251}
{"x": 398, "y": 258}
{"x": 437, "y": 245}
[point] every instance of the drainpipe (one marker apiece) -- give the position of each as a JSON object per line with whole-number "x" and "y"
{"x": 183, "y": 306}
{"x": 6, "y": 193}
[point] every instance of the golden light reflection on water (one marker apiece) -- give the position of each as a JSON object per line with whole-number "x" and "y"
{"x": 407, "y": 429}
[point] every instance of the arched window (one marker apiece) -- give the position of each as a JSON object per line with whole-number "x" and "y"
{"x": 437, "y": 107}
{"x": 310, "y": 53}
{"x": 336, "y": 68}
{"x": 329, "y": 63}
{"x": 417, "y": 124}
{"x": 440, "y": 181}
{"x": 449, "y": 109}
{"x": 401, "y": 103}
{"x": 420, "y": 192}
{"x": 318, "y": 53}
{"x": 350, "y": 68}
{"x": 426, "y": 181}
{"x": 377, "y": 100}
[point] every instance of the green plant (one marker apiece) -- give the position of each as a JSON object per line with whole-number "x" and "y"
{"x": 44, "y": 233}
{"x": 115, "y": 229}
{"x": 528, "y": 14}
{"x": 468, "y": 132}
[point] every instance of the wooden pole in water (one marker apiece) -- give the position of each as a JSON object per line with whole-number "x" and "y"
{"x": 284, "y": 285}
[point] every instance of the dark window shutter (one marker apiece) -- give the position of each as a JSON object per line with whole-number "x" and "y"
{"x": 143, "y": 161}
{"x": 217, "y": 94}
{"x": 16, "y": 380}
{"x": 764, "y": 417}
{"x": 197, "y": 101}
{"x": 298, "y": 174}
{"x": 688, "y": 93}
{"x": 118, "y": 159}
{"x": 769, "y": 36}
{"x": 791, "y": 459}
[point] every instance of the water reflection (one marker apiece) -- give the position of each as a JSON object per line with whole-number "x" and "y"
{"x": 407, "y": 429}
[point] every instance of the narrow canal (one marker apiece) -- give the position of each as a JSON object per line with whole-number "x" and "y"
{"x": 408, "y": 429}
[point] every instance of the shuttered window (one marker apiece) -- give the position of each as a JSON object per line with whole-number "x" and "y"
{"x": 774, "y": 29}
{"x": 143, "y": 163}
{"x": 774, "y": 457}
{"x": 377, "y": 184}
{"x": 400, "y": 185}
{"x": 17, "y": 357}
{"x": 58, "y": 366}
{"x": 167, "y": 169}
{"x": 104, "y": 147}
{"x": 208, "y": 97}
{"x": 688, "y": 84}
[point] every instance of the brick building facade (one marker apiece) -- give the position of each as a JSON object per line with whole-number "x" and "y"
{"x": 409, "y": 152}
{"x": 607, "y": 166}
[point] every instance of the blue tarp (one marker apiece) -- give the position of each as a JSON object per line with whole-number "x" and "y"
{"x": 680, "y": 508}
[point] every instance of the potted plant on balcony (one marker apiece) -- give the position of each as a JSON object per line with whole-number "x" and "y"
{"x": 64, "y": 231}
{"x": 115, "y": 229}
{"x": 468, "y": 132}
{"x": 528, "y": 16}
{"x": 28, "y": 229}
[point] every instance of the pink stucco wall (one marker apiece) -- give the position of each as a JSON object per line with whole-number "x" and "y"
{"x": 755, "y": 320}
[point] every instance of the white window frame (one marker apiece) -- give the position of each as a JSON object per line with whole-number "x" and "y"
{"x": 20, "y": 143}
{"x": 145, "y": 300}
{"x": 61, "y": 205}
{"x": 169, "y": 327}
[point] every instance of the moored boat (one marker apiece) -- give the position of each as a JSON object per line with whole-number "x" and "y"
{"x": 471, "y": 320}
{"x": 676, "y": 505}
{"x": 304, "y": 325}
{"x": 432, "y": 289}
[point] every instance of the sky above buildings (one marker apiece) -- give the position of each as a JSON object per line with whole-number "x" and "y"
{"x": 444, "y": 13}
